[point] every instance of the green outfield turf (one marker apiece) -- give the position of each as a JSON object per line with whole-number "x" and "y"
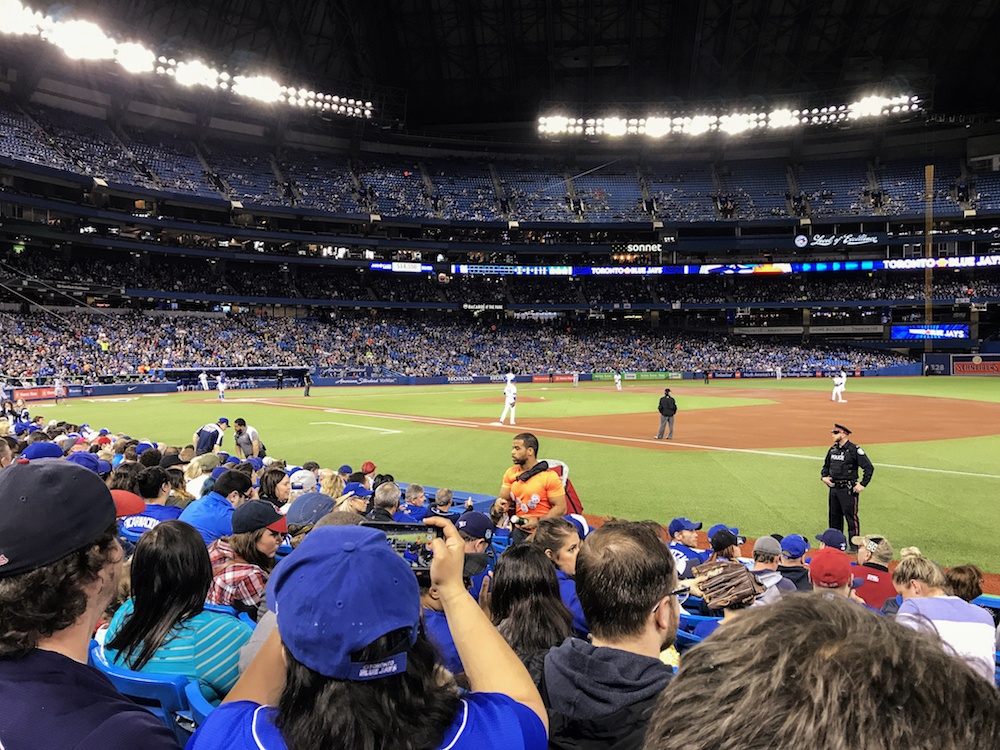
{"x": 950, "y": 512}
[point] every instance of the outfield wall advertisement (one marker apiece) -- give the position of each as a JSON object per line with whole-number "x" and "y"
{"x": 975, "y": 364}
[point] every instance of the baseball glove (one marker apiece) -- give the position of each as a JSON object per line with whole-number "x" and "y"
{"x": 727, "y": 584}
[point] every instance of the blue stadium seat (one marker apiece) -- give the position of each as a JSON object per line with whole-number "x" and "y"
{"x": 231, "y": 611}
{"x": 685, "y": 641}
{"x": 690, "y": 622}
{"x": 199, "y": 704}
{"x": 162, "y": 695}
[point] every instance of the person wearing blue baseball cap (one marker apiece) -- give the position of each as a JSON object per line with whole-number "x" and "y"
{"x": 208, "y": 438}
{"x": 791, "y": 565}
{"x": 683, "y": 538}
{"x": 349, "y": 663}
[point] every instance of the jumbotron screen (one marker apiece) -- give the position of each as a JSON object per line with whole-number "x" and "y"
{"x": 931, "y": 331}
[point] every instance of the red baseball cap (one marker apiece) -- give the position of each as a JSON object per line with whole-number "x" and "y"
{"x": 368, "y": 467}
{"x": 830, "y": 568}
{"x": 127, "y": 503}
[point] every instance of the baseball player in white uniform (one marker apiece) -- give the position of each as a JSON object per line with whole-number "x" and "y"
{"x": 203, "y": 379}
{"x": 510, "y": 401}
{"x": 839, "y": 384}
{"x": 618, "y": 380}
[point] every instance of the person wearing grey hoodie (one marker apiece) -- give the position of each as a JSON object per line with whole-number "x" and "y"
{"x": 601, "y": 694}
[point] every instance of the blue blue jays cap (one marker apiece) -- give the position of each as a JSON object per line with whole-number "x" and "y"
{"x": 833, "y": 538}
{"x": 794, "y": 546}
{"x": 309, "y": 508}
{"x": 685, "y": 524}
{"x": 339, "y": 591}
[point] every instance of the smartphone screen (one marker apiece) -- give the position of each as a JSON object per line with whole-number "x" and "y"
{"x": 411, "y": 541}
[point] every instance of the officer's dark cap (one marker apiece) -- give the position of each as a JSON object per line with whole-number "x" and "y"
{"x": 842, "y": 429}
{"x": 666, "y": 390}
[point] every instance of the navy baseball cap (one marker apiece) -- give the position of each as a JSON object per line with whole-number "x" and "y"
{"x": 475, "y": 524}
{"x": 794, "y": 546}
{"x": 309, "y": 508}
{"x": 833, "y": 538}
{"x": 49, "y": 509}
{"x": 223, "y": 420}
{"x": 357, "y": 489}
{"x": 682, "y": 524}
{"x": 258, "y": 514}
{"x": 345, "y": 469}
{"x": 256, "y": 463}
{"x": 339, "y": 591}
{"x": 218, "y": 471}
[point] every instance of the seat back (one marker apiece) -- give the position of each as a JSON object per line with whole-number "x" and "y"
{"x": 162, "y": 695}
{"x": 685, "y": 640}
{"x": 690, "y": 622}
{"x": 200, "y": 705}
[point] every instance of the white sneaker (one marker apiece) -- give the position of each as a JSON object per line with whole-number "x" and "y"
{"x": 513, "y": 423}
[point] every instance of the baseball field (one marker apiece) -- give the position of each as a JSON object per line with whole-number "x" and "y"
{"x": 747, "y": 453}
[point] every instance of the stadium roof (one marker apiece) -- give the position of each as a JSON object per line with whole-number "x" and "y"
{"x": 459, "y": 62}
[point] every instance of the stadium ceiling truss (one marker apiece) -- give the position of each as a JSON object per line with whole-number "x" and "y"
{"x": 464, "y": 61}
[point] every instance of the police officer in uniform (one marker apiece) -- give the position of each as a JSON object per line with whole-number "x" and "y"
{"x": 840, "y": 474}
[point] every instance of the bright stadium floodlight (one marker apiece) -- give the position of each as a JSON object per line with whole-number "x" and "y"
{"x": 80, "y": 40}
{"x": 737, "y": 123}
{"x": 19, "y": 20}
{"x": 615, "y": 126}
{"x": 657, "y": 127}
{"x": 135, "y": 58}
{"x": 699, "y": 124}
{"x": 196, "y": 73}
{"x": 84, "y": 40}
{"x": 261, "y": 88}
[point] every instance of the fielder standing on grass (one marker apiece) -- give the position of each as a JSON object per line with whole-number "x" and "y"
{"x": 840, "y": 474}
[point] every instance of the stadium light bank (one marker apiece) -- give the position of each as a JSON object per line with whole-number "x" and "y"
{"x": 86, "y": 41}
{"x": 655, "y": 126}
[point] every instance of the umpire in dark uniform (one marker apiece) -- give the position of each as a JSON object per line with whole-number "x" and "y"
{"x": 667, "y": 409}
{"x": 840, "y": 474}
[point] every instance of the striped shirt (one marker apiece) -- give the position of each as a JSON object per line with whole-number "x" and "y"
{"x": 965, "y": 629}
{"x": 205, "y": 648}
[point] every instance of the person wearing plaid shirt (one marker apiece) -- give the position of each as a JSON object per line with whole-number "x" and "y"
{"x": 243, "y": 561}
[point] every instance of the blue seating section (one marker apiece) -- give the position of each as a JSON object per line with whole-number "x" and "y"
{"x": 611, "y": 193}
{"x": 173, "y": 160}
{"x": 834, "y": 187}
{"x": 322, "y": 181}
{"x": 464, "y": 189}
{"x": 904, "y": 187}
{"x": 394, "y": 186}
{"x": 536, "y": 192}
{"x": 682, "y": 192}
{"x": 247, "y": 170}
{"x": 757, "y": 188}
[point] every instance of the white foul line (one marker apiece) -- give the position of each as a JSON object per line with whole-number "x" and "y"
{"x": 645, "y": 441}
{"x": 381, "y": 430}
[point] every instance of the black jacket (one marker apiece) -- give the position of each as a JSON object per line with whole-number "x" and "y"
{"x": 598, "y": 698}
{"x": 667, "y": 407}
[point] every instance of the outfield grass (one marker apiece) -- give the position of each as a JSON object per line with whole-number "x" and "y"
{"x": 950, "y": 516}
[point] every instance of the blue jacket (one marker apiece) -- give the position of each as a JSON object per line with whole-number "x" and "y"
{"x": 567, "y": 589}
{"x": 211, "y": 515}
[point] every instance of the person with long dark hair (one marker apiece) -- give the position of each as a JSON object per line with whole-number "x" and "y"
{"x": 275, "y": 487}
{"x": 560, "y": 541}
{"x": 164, "y": 628}
{"x": 349, "y": 667}
{"x": 525, "y": 602}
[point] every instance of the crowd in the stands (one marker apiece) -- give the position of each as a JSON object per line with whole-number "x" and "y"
{"x": 81, "y": 345}
{"x": 288, "y": 622}
{"x": 231, "y": 278}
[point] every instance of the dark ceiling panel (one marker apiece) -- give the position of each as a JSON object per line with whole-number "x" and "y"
{"x": 461, "y": 61}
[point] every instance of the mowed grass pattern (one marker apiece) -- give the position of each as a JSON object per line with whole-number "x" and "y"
{"x": 950, "y": 513}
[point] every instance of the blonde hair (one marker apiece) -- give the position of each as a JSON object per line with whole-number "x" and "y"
{"x": 332, "y": 485}
{"x": 916, "y": 567}
{"x": 202, "y": 464}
